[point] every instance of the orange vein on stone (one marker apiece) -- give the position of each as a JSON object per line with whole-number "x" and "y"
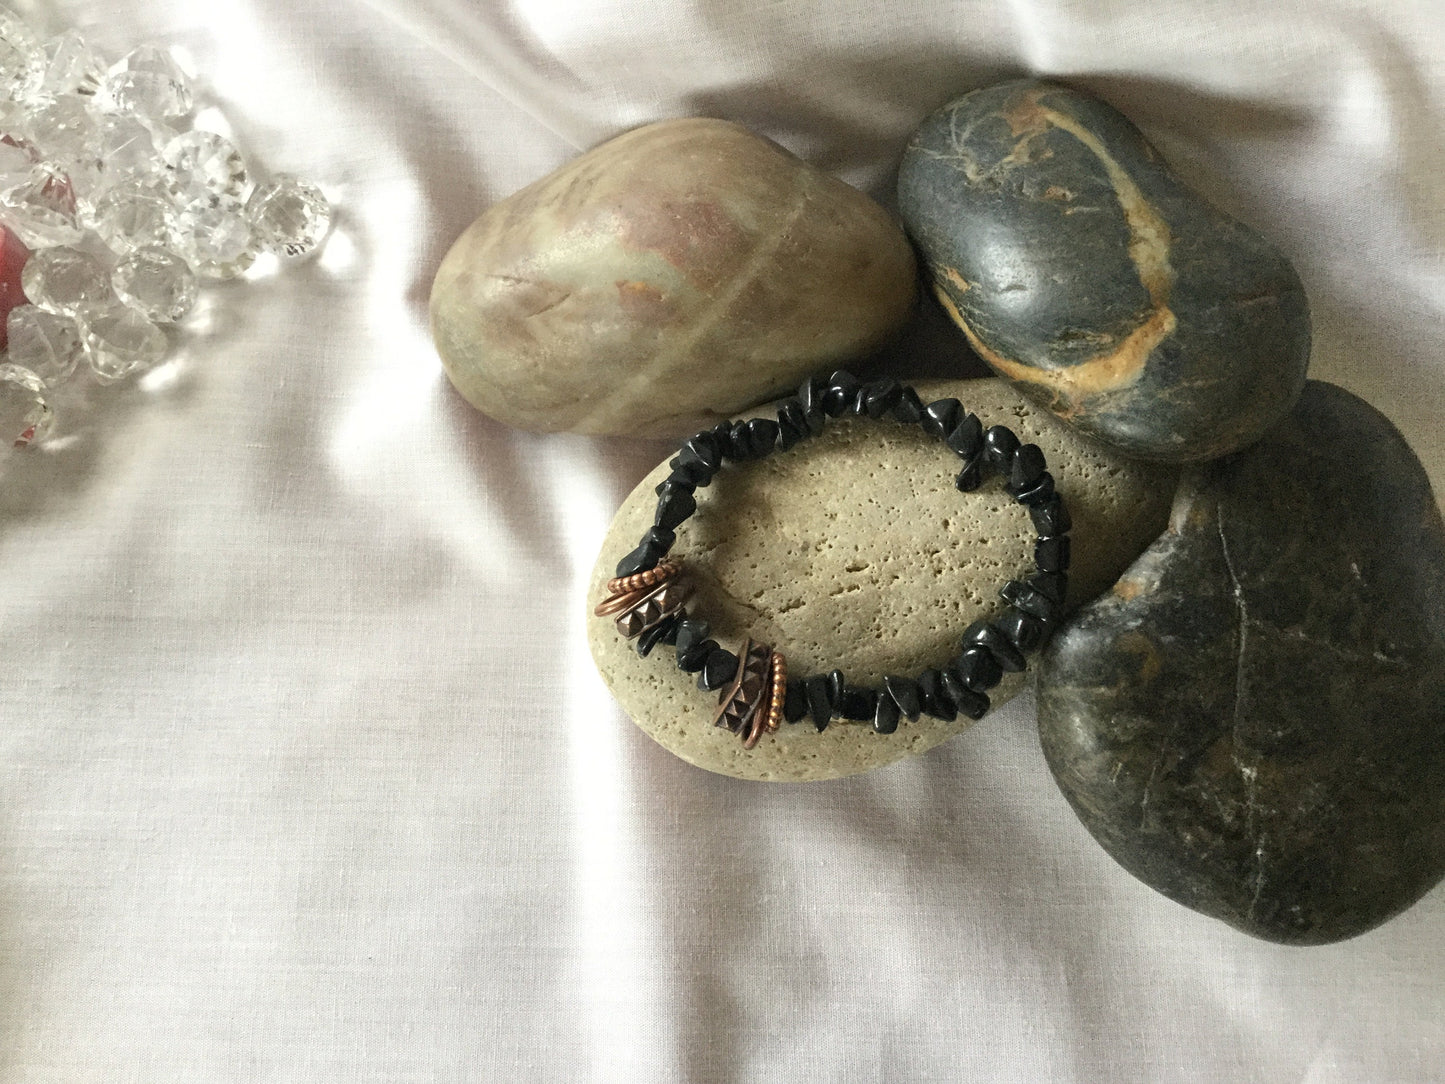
{"x": 1149, "y": 243}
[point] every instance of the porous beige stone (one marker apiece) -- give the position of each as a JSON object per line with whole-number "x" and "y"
{"x": 854, "y": 550}
{"x": 664, "y": 280}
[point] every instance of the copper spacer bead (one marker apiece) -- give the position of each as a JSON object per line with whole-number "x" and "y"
{"x": 664, "y": 570}
{"x": 620, "y": 600}
{"x": 780, "y": 691}
{"x": 654, "y": 604}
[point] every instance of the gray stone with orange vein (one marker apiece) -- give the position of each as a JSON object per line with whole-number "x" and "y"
{"x": 1083, "y": 270}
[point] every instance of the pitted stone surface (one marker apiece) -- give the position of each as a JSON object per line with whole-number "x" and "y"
{"x": 854, "y": 550}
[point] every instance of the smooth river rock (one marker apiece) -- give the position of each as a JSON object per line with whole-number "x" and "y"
{"x": 854, "y": 550}
{"x": 1253, "y": 720}
{"x": 665, "y": 280}
{"x": 1082, "y": 269}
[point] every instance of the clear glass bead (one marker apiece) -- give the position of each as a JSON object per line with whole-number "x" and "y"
{"x": 65, "y": 279}
{"x": 49, "y": 344}
{"x": 61, "y": 129}
{"x": 22, "y": 60}
{"x": 72, "y": 67}
{"x": 131, "y": 215}
{"x": 122, "y": 341}
{"x": 289, "y": 216}
{"x": 147, "y": 82}
{"x": 126, "y": 150}
{"x": 25, "y": 416}
{"x": 215, "y": 240}
{"x": 157, "y": 282}
{"x": 41, "y": 211}
{"x": 15, "y": 166}
{"x": 205, "y": 167}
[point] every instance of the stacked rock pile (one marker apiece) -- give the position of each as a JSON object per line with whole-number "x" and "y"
{"x": 1244, "y": 705}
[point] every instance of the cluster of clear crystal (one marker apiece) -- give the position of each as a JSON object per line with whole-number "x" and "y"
{"x": 124, "y": 210}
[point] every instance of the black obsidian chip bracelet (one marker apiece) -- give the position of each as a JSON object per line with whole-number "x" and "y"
{"x": 650, "y": 591}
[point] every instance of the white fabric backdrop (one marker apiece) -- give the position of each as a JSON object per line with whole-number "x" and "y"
{"x": 305, "y": 774}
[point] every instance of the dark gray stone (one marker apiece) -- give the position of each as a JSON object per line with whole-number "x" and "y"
{"x": 1084, "y": 271}
{"x": 1253, "y": 720}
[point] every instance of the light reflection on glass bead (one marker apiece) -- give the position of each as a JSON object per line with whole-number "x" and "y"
{"x": 289, "y": 216}
{"x": 22, "y": 61}
{"x": 149, "y": 83}
{"x": 25, "y": 415}
{"x": 71, "y": 66}
{"x": 49, "y": 344}
{"x": 216, "y": 240}
{"x": 157, "y": 282}
{"x": 204, "y": 167}
{"x": 41, "y": 211}
{"x": 131, "y": 215}
{"x": 63, "y": 127}
{"x": 65, "y": 280}
{"x": 15, "y": 166}
{"x": 122, "y": 341}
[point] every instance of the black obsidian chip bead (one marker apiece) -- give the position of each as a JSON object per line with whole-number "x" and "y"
{"x": 1029, "y": 599}
{"x": 820, "y": 699}
{"x": 977, "y": 668}
{"x": 999, "y": 446}
{"x": 1053, "y": 584}
{"x": 934, "y": 697}
{"x": 704, "y": 448}
{"x": 835, "y": 687}
{"x": 1052, "y": 554}
{"x": 859, "y": 405}
{"x": 762, "y": 437}
{"x": 741, "y": 440}
{"x": 810, "y": 394}
{"x": 694, "y": 658}
{"x": 1036, "y": 492}
{"x": 983, "y": 633}
{"x": 885, "y": 716}
{"x": 965, "y": 700}
{"x": 909, "y": 409}
{"x": 857, "y": 702}
{"x": 1025, "y": 630}
{"x": 655, "y": 544}
{"x": 720, "y": 668}
{"x": 691, "y": 469}
{"x": 904, "y": 693}
{"x": 1027, "y": 467}
{"x": 792, "y": 417}
{"x": 882, "y": 396}
{"x": 691, "y": 632}
{"x": 841, "y": 393}
{"x": 674, "y": 508}
{"x": 788, "y": 436}
{"x": 795, "y": 703}
{"x": 967, "y": 437}
{"x": 941, "y": 417}
{"x": 673, "y": 484}
{"x": 1051, "y": 517}
{"x": 722, "y": 438}
{"x": 971, "y": 477}
{"x": 658, "y": 633}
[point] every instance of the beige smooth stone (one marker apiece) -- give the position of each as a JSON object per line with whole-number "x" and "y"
{"x": 854, "y": 550}
{"x": 665, "y": 280}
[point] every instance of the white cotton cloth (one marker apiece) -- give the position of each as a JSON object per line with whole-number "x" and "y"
{"x": 305, "y": 774}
